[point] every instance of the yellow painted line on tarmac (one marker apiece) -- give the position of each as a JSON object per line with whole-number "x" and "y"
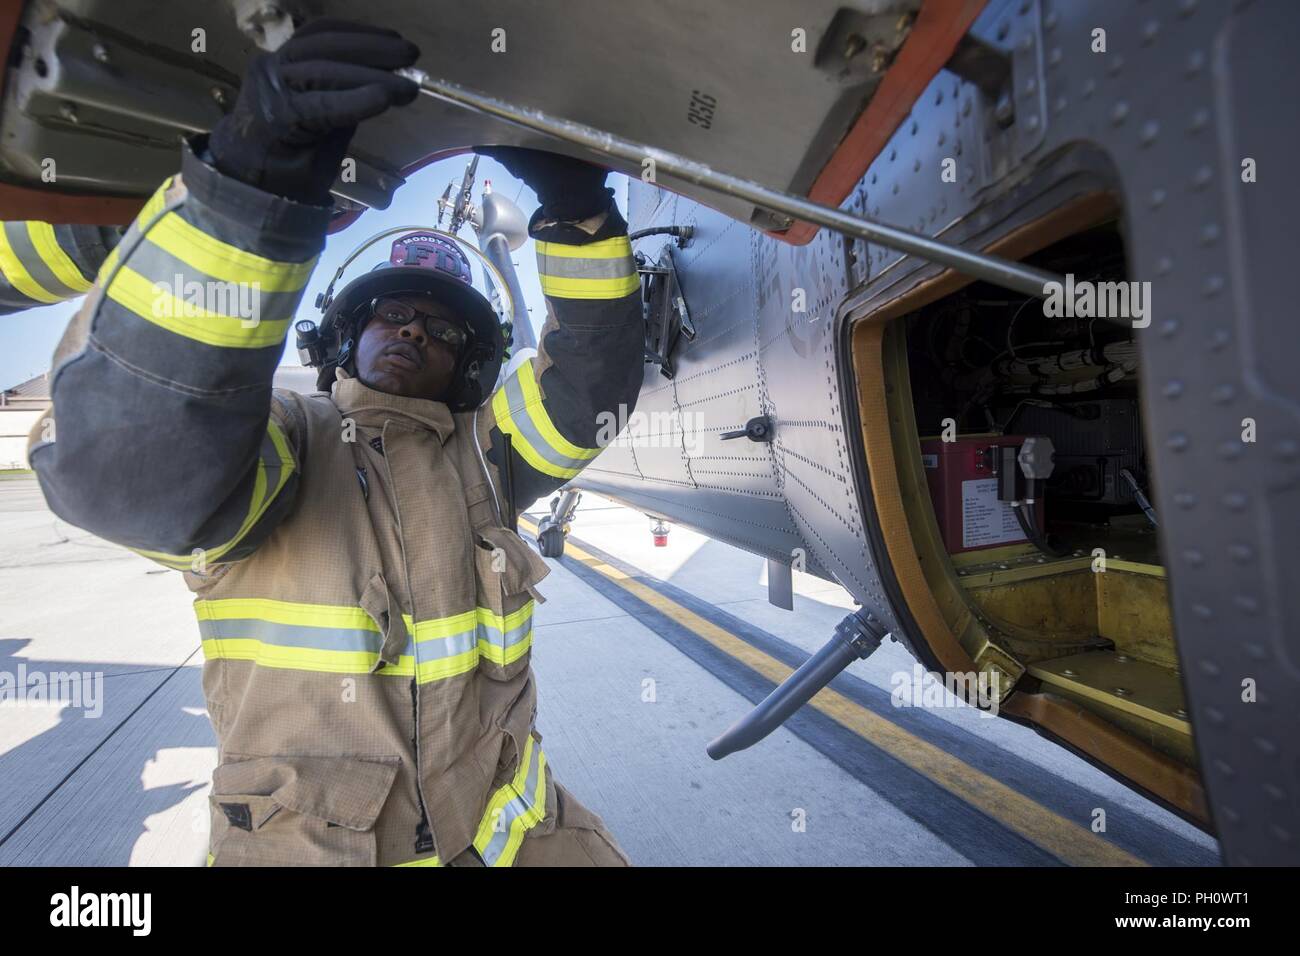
{"x": 1064, "y": 839}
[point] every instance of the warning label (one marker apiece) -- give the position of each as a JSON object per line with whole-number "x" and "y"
{"x": 984, "y": 519}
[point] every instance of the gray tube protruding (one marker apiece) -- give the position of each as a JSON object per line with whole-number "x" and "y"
{"x": 855, "y": 637}
{"x": 496, "y": 248}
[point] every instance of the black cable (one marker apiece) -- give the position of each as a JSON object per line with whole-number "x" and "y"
{"x": 1139, "y": 497}
{"x": 507, "y": 476}
{"x": 1043, "y": 542}
{"x": 681, "y": 232}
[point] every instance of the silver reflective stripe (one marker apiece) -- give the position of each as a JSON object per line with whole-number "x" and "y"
{"x": 489, "y": 632}
{"x": 440, "y": 648}
{"x": 516, "y": 807}
{"x": 20, "y": 241}
{"x": 522, "y": 415}
{"x": 292, "y": 635}
{"x": 160, "y": 266}
{"x": 569, "y": 267}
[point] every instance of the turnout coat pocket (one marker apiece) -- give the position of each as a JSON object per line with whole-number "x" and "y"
{"x": 299, "y": 811}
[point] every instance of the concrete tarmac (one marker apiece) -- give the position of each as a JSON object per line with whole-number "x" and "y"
{"x": 642, "y": 656}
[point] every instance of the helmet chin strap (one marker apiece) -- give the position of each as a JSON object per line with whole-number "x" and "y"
{"x": 347, "y": 356}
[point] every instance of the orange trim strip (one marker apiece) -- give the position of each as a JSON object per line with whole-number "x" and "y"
{"x": 939, "y": 27}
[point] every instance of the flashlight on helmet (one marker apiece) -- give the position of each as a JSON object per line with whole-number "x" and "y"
{"x": 311, "y": 350}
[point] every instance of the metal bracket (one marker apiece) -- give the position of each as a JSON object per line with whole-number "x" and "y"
{"x": 72, "y": 79}
{"x": 1007, "y": 65}
{"x": 988, "y": 68}
{"x": 266, "y": 24}
{"x": 663, "y": 305}
{"x": 780, "y": 584}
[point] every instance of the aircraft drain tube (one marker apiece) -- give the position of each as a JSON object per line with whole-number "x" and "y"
{"x": 856, "y": 637}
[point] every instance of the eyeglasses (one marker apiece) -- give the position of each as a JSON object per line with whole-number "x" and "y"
{"x": 399, "y": 313}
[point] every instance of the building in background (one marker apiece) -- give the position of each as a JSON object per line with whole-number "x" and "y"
{"x": 20, "y": 408}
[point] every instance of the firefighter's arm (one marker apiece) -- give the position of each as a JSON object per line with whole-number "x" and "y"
{"x": 161, "y": 436}
{"x": 164, "y": 436}
{"x": 41, "y": 264}
{"x": 561, "y": 407}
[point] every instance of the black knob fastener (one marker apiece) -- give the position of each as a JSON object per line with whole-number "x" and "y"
{"x": 756, "y": 429}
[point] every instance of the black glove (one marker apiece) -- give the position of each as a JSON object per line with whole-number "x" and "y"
{"x": 299, "y": 106}
{"x": 568, "y": 188}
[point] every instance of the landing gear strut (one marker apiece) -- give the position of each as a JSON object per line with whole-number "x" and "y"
{"x": 552, "y": 529}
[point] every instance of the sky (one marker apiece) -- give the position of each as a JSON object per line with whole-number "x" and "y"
{"x": 28, "y": 339}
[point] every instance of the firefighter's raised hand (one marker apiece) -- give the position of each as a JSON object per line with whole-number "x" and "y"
{"x": 567, "y": 188}
{"x": 299, "y": 107}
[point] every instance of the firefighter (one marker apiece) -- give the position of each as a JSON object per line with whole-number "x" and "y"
{"x": 364, "y": 606}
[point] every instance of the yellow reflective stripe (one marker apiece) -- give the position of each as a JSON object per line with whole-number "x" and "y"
{"x": 225, "y": 262}
{"x": 535, "y": 406}
{"x": 110, "y": 263}
{"x": 306, "y": 650}
{"x": 301, "y": 658}
{"x": 258, "y": 503}
{"x": 47, "y": 246}
{"x": 572, "y": 284}
{"x": 427, "y": 672}
{"x": 214, "y": 261}
{"x": 148, "y": 212}
{"x": 501, "y": 411}
{"x": 19, "y": 277}
{"x": 428, "y": 861}
{"x": 572, "y": 288}
{"x": 523, "y": 822}
{"x": 442, "y": 665}
{"x": 614, "y": 248}
{"x": 505, "y": 622}
{"x": 284, "y": 635}
{"x": 496, "y": 653}
{"x": 435, "y": 628}
{"x": 152, "y": 302}
{"x": 154, "y": 206}
{"x": 501, "y": 656}
{"x": 556, "y": 455}
{"x": 284, "y": 612}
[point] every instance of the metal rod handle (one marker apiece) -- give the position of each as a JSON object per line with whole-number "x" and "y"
{"x": 994, "y": 269}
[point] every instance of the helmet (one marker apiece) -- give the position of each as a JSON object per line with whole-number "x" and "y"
{"x": 429, "y": 262}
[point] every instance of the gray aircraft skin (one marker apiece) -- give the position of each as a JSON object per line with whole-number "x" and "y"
{"x": 1145, "y": 143}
